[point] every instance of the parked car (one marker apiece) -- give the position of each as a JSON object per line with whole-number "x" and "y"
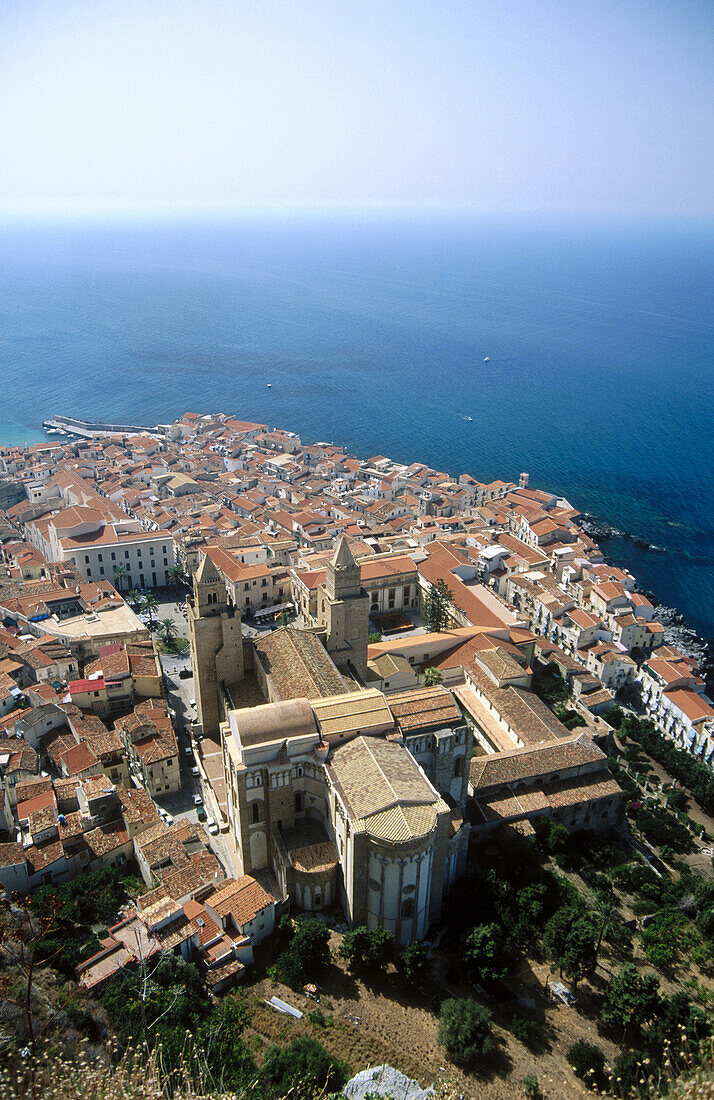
{"x": 195, "y": 771}
{"x": 188, "y": 751}
{"x": 201, "y": 813}
{"x": 213, "y": 829}
{"x": 185, "y": 673}
{"x": 197, "y": 800}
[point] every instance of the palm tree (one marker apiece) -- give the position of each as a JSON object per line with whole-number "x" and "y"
{"x": 150, "y": 606}
{"x": 177, "y": 575}
{"x": 167, "y": 630}
{"x": 120, "y": 571}
{"x": 134, "y": 599}
{"x": 607, "y": 917}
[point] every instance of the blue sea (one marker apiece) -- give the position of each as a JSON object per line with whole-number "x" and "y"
{"x": 376, "y": 332}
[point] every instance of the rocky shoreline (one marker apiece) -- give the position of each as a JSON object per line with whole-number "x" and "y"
{"x": 676, "y": 631}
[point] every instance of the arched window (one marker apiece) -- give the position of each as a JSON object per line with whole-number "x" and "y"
{"x": 256, "y": 812}
{"x": 407, "y": 908}
{"x": 458, "y": 766}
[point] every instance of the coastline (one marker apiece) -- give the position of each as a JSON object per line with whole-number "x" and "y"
{"x": 678, "y": 631}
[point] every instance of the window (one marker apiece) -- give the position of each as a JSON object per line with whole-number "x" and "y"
{"x": 458, "y": 767}
{"x": 407, "y": 908}
{"x": 139, "y": 551}
{"x": 126, "y": 553}
{"x": 298, "y": 803}
{"x": 86, "y": 559}
{"x": 246, "y": 587}
{"x": 166, "y": 561}
{"x": 101, "y": 570}
{"x": 99, "y": 557}
{"x": 163, "y": 549}
{"x": 114, "y": 557}
{"x": 89, "y": 572}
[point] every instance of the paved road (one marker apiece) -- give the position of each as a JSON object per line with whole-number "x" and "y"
{"x": 180, "y": 693}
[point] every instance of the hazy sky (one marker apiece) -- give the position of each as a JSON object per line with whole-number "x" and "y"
{"x": 587, "y": 105}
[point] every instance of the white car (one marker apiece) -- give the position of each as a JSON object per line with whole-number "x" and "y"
{"x": 213, "y": 829}
{"x": 197, "y": 800}
{"x": 195, "y": 771}
{"x": 188, "y": 751}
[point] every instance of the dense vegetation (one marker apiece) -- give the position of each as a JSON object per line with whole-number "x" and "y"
{"x": 74, "y": 909}
{"x": 681, "y": 765}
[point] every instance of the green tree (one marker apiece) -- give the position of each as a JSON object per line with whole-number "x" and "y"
{"x": 484, "y": 953}
{"x": 307, "y": 951}
{"x": 120, "y": 571}
{"x": 134, "y": 598}
{"x": 168, "y": 631}
{"x": 631, "y": 1000}
{"x": 177, "y": 576}
{"x": 465, "y": 1030}
{"x": 432, "y": 677}
{"x": 412, "y": 961}
{"x": 588, "y": 1062}
{"x": 302, "y": 1069}
{"x": 570, "y": 940}
{"x": 367, "y": 950}
{"x": 606, "y": 916}
{"x": 150, "y": 605}
{"x": 437, "y": 606}
{"x": 580, "y": 956}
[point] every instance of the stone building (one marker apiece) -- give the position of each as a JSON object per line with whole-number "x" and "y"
{"x": 343, "y": 611}
{"x": 216, "y": 643}
{"x": 326, "y": 797}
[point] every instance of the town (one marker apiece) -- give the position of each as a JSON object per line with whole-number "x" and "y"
{"x": 275, "y": 678}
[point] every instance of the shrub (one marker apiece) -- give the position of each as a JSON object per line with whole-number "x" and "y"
{"x": 523, "y": 1029}
{"x": 588, "y": 1062}
{"x": 303, "y": 1066}
{"x": 628, "y": 1070}
{"x": 531, "y": 1088}
{"x": 465, "y": 1030}
{"x": 318, "y": 1019}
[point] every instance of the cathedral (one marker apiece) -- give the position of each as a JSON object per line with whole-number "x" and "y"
{"x": 340, "y": 799}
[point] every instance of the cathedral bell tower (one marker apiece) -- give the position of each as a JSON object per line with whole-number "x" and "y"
{"x": 216, "y": 643}
{"x": 343, "y": 611}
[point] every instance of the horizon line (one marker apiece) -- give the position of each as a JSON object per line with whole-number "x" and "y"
{"x": 80, "y": 211}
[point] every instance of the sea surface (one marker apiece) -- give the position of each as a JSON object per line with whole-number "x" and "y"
{"x": 582, "y": 353}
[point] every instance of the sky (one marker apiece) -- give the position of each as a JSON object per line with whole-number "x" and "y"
{"x": 523, "y": 106}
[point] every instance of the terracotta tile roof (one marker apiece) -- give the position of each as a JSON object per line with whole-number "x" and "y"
{"x": 384, "y": 789}
{"x": 577, "y": 750}
{"x": 424, "y": 708}
{"x": 241, "y": 899}
{"x": 298, "y": 664}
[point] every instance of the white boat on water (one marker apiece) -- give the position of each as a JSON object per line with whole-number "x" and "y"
{"x": 487, "y": 358}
